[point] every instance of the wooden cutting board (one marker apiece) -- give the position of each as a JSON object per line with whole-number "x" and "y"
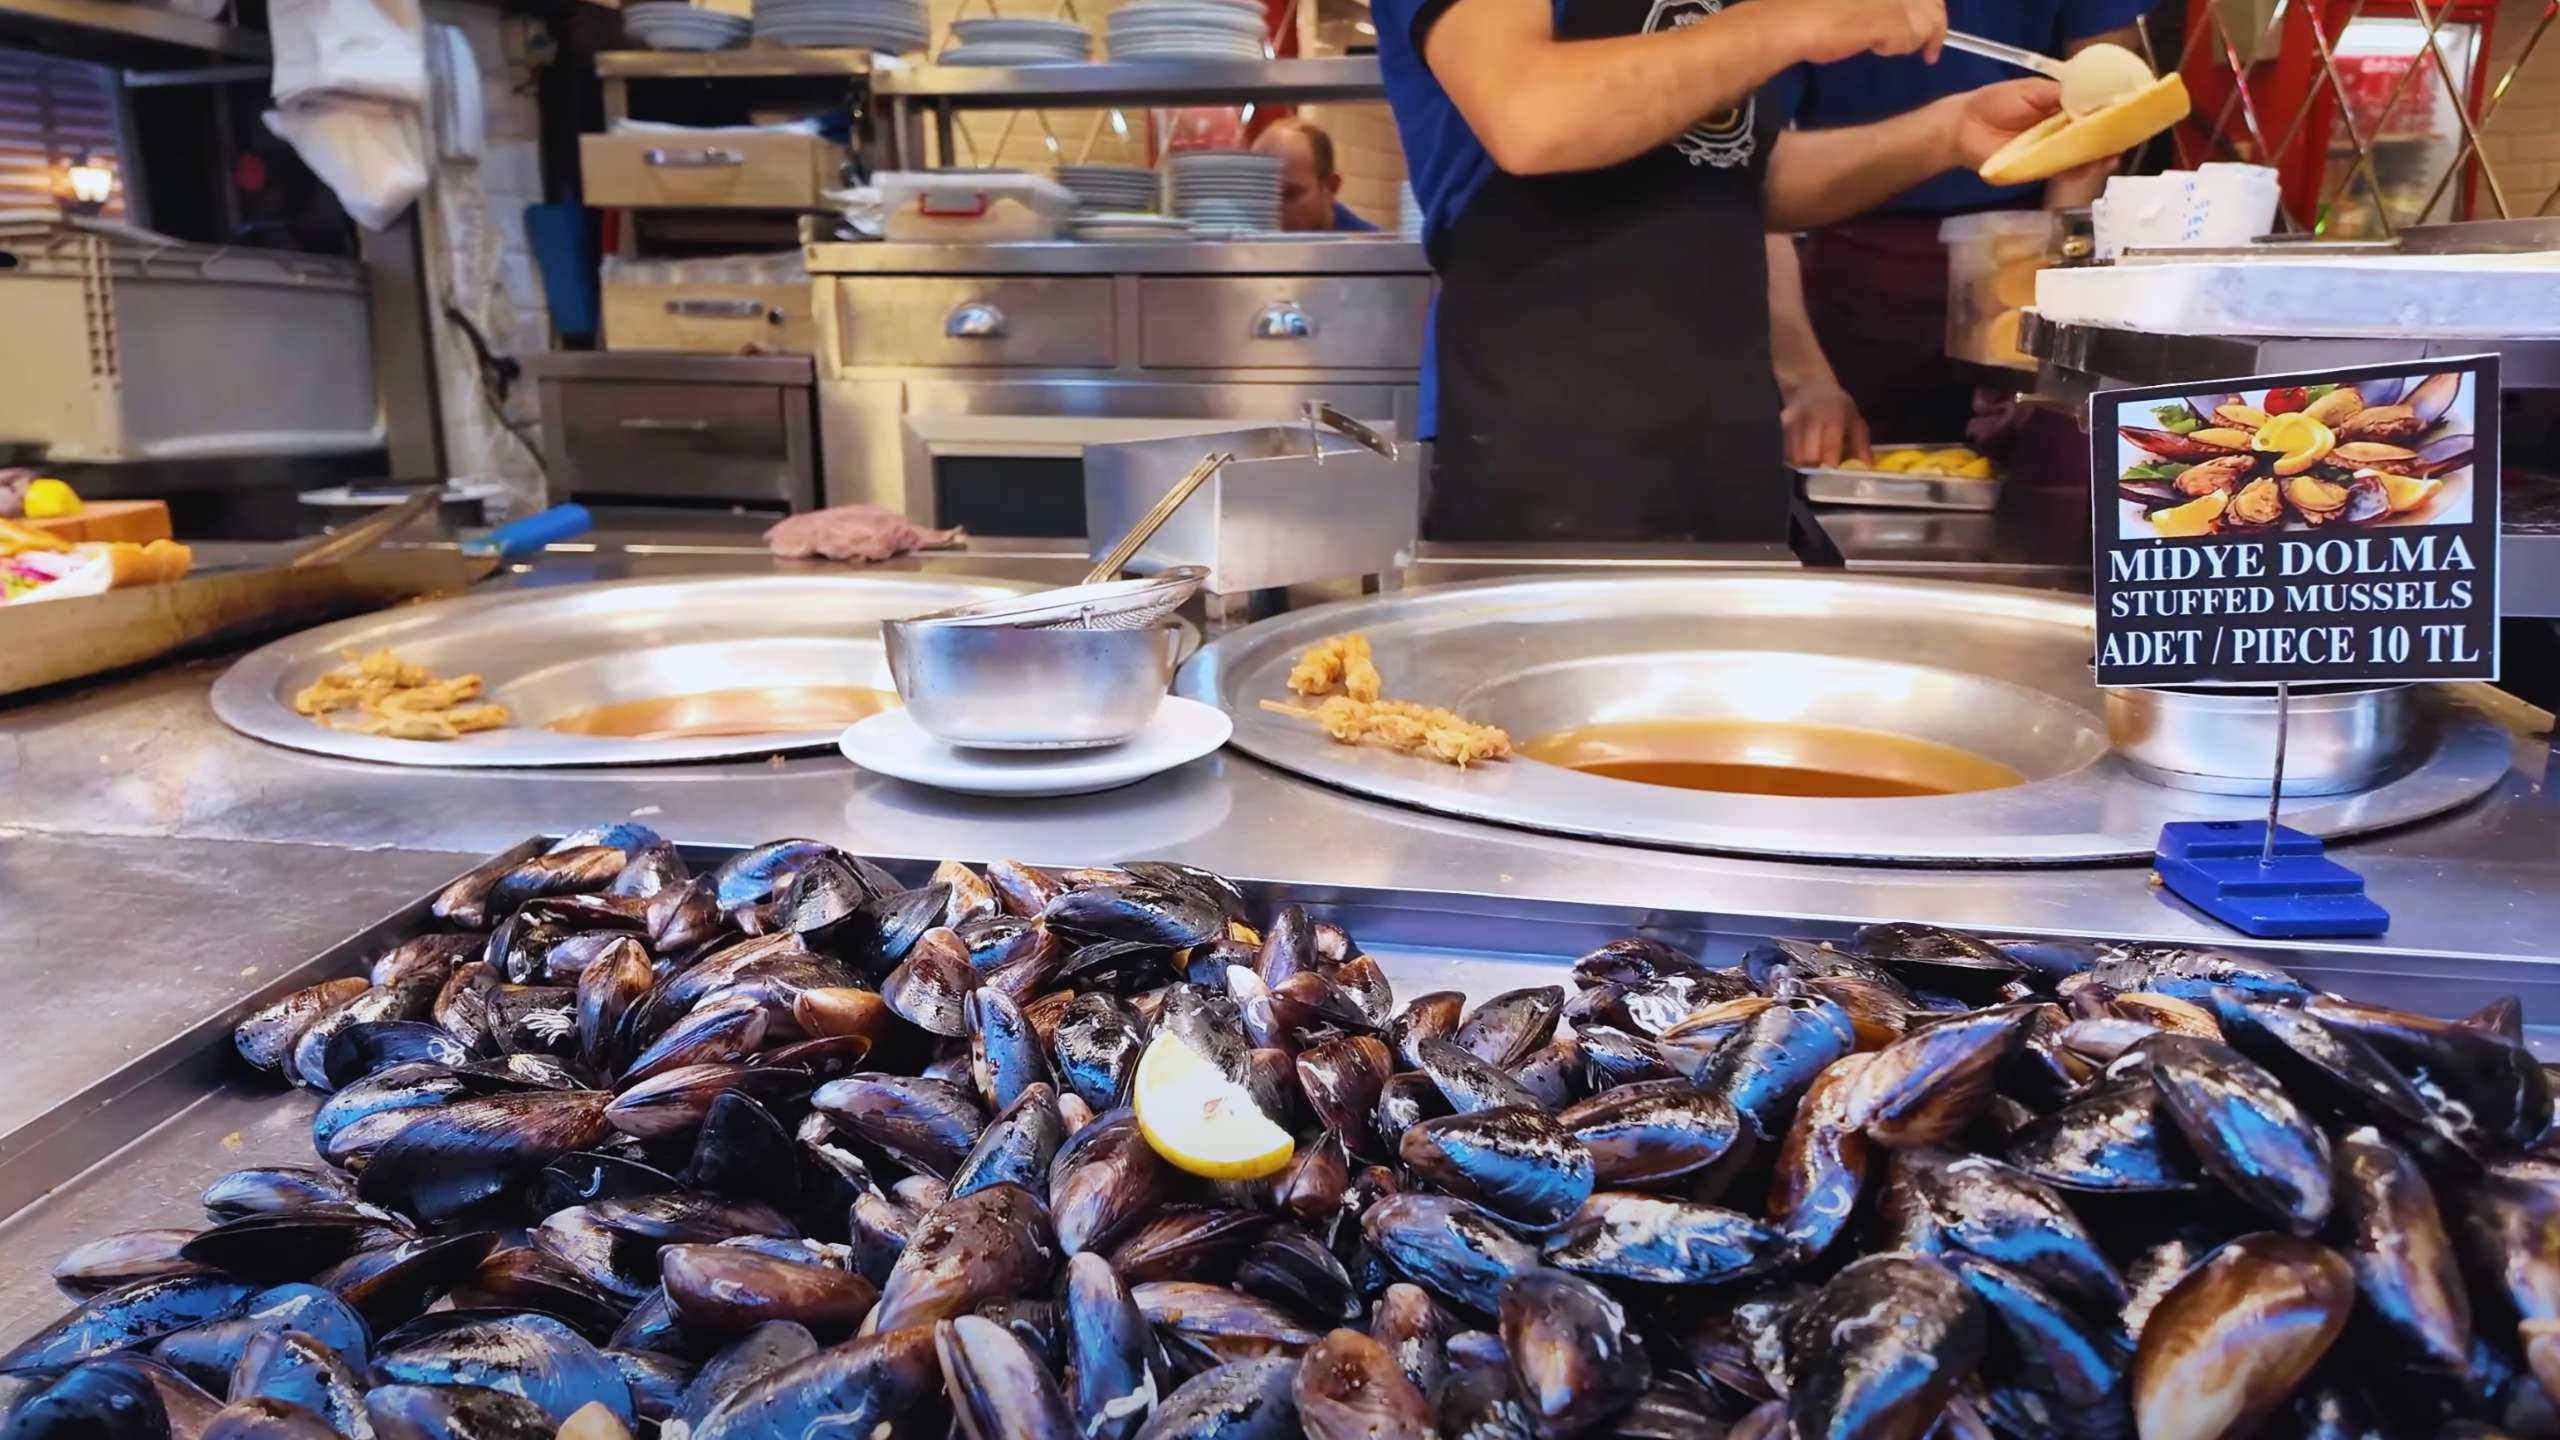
{"x": 139, "y": 521}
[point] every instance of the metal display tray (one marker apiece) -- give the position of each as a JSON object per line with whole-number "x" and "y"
{"x": 1831, "y": 485}
{"x": 136, "y": 1149}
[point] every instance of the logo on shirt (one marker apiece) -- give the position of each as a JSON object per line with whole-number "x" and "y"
{"x": 1723, "y": 139}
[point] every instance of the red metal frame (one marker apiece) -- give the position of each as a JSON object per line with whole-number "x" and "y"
{"x": 2283, "y": 111}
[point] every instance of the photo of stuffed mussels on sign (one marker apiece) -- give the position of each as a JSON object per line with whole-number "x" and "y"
{"x": 2389, "y": 451}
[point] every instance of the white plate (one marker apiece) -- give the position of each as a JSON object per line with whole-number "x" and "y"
{"x": 890, "y": 744}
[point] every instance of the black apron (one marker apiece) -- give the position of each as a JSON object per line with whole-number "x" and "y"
{"x": 1603, "y": 339}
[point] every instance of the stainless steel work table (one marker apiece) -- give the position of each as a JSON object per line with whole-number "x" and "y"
{"x": 156, "y": 870}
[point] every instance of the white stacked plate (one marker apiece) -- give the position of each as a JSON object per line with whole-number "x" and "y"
{"x": 1226, "y": 189}
{"x": 1009, "y": 41}
{"x": 1107, "y": 226}
{"x": 1119, "y": 189}
{"x": 1187, "y": 30}
{"x": 891, "y": 25}
{"x": 1408, "y": 212}
{"x": 675, "y": 25}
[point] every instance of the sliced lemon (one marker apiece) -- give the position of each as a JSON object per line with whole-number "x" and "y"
{"x": 1853, "y": 463}
{"x": 1978, "y": 468}
{"x": 1953, "y": 456}
{"x": 1199, "y": 1120}
{"x": 2406, "y": 492}
{"x": 2196, "y": 517}
{"x": 1900, "y": 461}
{"x": 50, "y": 499}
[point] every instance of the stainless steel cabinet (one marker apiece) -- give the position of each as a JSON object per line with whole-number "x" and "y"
{"x": 970, "y": 320}
{"x": 1262, "y": 322}
{"x": 665, "y": 427}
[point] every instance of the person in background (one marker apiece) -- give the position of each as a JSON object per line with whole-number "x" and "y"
{"x": 1310, "y": 186}
{"x": 1858, "y": 308}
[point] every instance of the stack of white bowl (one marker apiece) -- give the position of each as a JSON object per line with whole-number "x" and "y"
{"x": 894, "y": 26}
{"x": 992, "y": 40}
{"x": 1111, "y": 189}
{"x": 676, "y": 25}
{"x": 1223, "y": 192}
{"x": 1188, "y": 30}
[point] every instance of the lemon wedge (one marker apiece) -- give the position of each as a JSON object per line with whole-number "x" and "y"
{"x": 2298, "y": 441}
{"x": 50, "y": 499}
{"x": 1199, "y": 1120}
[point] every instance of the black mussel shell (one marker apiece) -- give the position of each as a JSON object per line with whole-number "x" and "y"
{"x": 474, "y": 1151}
{"x": 2244, "y": 1129}
{"x": 1933, "y": 958}
{"x": 1505, "y": 1029}
{"x": 758, "y": 876}
{"x": 930, "y": 987}
{"x": 1154, "y": 915}
{"x": 1341, "y": 1079}
{"x": 2234, "y": 1337}
{"x": 1106, "y": 1177}
{"x": 888, "y": 1384}
{"x": 266, "y": 1039}
{"x": 1006, "y": 1054}
{"x": 1456, "y": 1251}
{"x": 676, "y": 1102}
{"x": 1186, "y": 1242}
{"x": 1416, "y": 1331}
{"x": 121, "y": 1259}
{"x": 534, "y": 1356}
{"x": 1821, "y": 1167}
{"x": 100, "y": 1400}
{"x": 614, "y": 1244}
{"x": 1349, "y": 1387}
{"x": 1977, "y": 1204}
{"x": 207, "y": 1353}
{"x": 1626, "y": 1235}
{"x": 410, "y": 999}
{"x": 1467, "y": 1082}
{"x": 1017, "y": 1146}
{"x": 980, "y": 1246}
{"x": 744, "y": 1152}
{"x": 2488, "y": 1089}
{"x": 2048, "y": 1369}
{"x": 288, "y": 1365}
{"x": 1289, "y": 1266}
{"x": 1432, "y": 1016}
{"x": 1406, "y": 1101}
{"x": 2112, "y": 1139}
{"x": 1882, "y": 1348}
{"x": 585, "y": 1176}
{"x": 1110, "y": 1349}
{"x": 129, "y": 1315}
{"x": 455, "y": 1412}
{"x": 270, "y": 1189}
{"x": 2189, "y": 974}
{"x": 719, "y": 1292}
{"x": 1768, "y": 1065}
{"x": 998, "y": 1389}
{"x": 523, "y": 1278}
{"x": 926, "y": 1125}
{"x": 2407, "y": 1276}
{"x": 1241, "y": 1400}
{"x": 751, "y": 1357}
{"x": 1208, "y": 1022}
{"x": 1574, "y": 1356}
{"x": 1651, "y": 1131}
{"x": 293, "y": 1244}
{"x": 651, "y": 868}
{"x": 390, "y": 1286}
{"x": 1926, "y": 1087}
{"x": 1519, "y": 1162}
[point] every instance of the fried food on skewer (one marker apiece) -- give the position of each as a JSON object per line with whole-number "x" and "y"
{"x": 1405, "y": 727}
{"x": 1337, "y": 663}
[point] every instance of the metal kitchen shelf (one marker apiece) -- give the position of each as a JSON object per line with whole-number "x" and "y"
{"x": 107, "y": 30}
{"x": 2094, "y": 358}
{"x": 1135, "y": 82}
{"x": 755, "y": 62}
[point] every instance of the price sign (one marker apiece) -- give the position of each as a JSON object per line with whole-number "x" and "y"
{"x": 2331, "y": 526}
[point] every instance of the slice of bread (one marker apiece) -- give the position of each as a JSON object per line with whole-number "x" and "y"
{"x": 2062, "y": 142}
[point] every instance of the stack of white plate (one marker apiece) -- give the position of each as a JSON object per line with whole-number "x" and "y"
{"x": 1226, "y": 190}
{"x": 1004, "y": 41}
{"x": 1187, "y": 30}
{"x": 1113, "y": 189}
{"x": 675, "y": 25}
{"x": 1105, "y": 225}
{"x": 891, "y": 25}
{"x": 1408, "y": 212}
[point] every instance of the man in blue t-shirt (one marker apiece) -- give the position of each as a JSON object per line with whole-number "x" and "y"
{"x": 1596, "y": 178}
{"x": 1310, "y": 183}
{"x": 1861, "y": 327}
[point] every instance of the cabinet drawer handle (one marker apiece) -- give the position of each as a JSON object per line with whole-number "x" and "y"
{"x": 974, "y": 320}
{"x": 721, "y": 308}
{"x": 704, "y": 158}
{"x": 652, "y": 422}
{"x": 1284, "y": 320}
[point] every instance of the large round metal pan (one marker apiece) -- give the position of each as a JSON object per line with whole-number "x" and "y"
{"x": 549, "y": 652}
{"x": 2001, "y": 672}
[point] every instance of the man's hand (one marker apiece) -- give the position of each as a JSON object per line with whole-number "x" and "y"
{"x": 1981, "y": 121}
{"x": 1837, "y": 29}
{"x": 1823, "y": 426}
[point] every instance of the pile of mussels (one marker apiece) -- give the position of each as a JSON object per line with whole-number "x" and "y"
{"x": 792, "y": 1149}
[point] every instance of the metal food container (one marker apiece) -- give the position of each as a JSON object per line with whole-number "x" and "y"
{"x": 1298, "y": 504}
{"x": 2338, "y": 738}
{"x": 1006, "y": 687}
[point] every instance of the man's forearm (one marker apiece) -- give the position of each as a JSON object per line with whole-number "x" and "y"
{"x": 1795, "y": 352}
{"x": 1817, "y": 177}
{"x": 1585, "y": 104}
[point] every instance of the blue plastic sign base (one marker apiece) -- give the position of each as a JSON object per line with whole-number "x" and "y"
{"x": 2214, "y": 866}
